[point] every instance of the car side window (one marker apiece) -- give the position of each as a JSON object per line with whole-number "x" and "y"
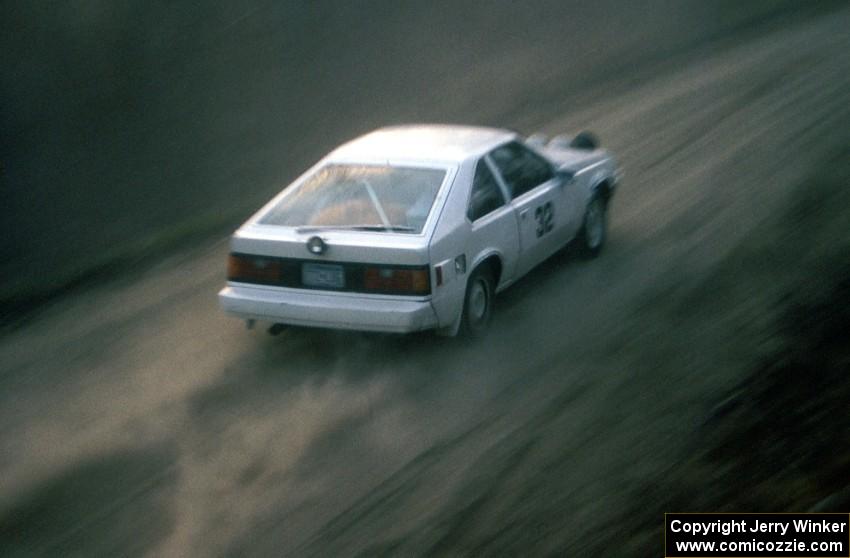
{"x": 486, "y": 195}
{"x": 521, "y": 168}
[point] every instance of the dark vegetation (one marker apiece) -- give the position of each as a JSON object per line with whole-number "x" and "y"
{"x": 784, "y": 435}
{"x": 780, "y": 439}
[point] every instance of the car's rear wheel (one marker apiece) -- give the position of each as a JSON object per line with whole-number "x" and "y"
{"x": 594, "y": 228}
{"x": 478, "y": 303}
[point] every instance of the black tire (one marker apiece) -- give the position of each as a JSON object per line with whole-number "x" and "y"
{"x": 594, "y": 227}
{"x": 478, "y": 303}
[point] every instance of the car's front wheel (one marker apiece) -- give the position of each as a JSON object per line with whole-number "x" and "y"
{"x": 594, "y": 228}
{"x": 478, "y": 304}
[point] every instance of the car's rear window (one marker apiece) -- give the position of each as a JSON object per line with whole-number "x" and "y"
{"x": 371, "y": 197}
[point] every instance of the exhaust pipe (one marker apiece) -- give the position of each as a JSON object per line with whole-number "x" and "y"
{"x": 276, "y": 329}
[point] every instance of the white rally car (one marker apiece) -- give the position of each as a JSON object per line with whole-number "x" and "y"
{"x": 417, "y": 227}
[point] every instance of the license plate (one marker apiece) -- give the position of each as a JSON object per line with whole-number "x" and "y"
{"x": 322, "y": 275}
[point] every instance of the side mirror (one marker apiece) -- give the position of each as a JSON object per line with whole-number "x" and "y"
{"x": 566, "y": 177}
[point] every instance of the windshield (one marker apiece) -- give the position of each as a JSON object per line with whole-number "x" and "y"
{"x": 379, "y": 198}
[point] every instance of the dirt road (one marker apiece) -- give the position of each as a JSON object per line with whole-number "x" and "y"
{"x": 136, "y": 419}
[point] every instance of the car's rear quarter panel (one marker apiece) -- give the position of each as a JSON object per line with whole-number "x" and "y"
{"x": 447, "y": 242}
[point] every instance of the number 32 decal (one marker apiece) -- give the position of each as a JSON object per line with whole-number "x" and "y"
{"x": 544, "y": 215}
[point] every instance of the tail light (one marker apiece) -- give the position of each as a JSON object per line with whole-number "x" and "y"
{"x": 356, "y": 277}
{"x": 253, "y": 269}
{"x": 393, "y": 280}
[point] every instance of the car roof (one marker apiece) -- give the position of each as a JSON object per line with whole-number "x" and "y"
{"x": 422, "y": 143}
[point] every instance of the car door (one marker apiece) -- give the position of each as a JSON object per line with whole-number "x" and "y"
{"x": 493, "y": 221}
{"x": 573, "y": 201}
{"x": 535, "y": 193}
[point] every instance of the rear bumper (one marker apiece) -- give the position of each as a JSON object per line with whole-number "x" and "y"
{"x": 331, "y": 310}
